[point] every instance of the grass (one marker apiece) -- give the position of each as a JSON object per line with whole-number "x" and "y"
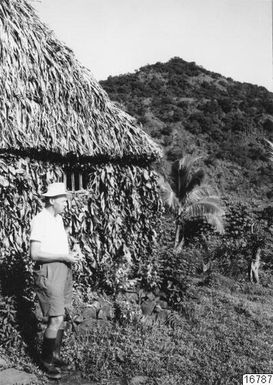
{"x": 223, "y": 333}
{"x": 224, "y": 330}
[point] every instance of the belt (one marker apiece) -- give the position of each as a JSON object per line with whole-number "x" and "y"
{"x": 38, "y": 266}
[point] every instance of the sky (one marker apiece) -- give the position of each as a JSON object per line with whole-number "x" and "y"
{"x": 113, "y": 37}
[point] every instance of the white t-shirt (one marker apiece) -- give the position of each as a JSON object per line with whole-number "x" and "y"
{"x": 49, "y": 230}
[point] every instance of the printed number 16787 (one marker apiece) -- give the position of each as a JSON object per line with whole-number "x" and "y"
{"x": 258, "y": 379}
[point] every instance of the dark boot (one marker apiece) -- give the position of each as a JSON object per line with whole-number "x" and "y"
{"x": 47, "y": 359}
{"x": 57, "y": 352}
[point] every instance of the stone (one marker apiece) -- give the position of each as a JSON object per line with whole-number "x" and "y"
{"x": 132, "y": 297}
{"x": 107, "y": 310}
{"x": 16, "y": 377}
{"x": 3, "y": 363}
{"x": 89, "y": 325}
{"x": 72, "y": 378}
{"x": 138, "y": 380}
{"x": 162, "y": 316}
{"x": 148, "y": 306}
{"x": 102, "y": 315}
{"x": 91, "y": 312}
{"x": 86, "y": 326}
{"x": 150, "y": 296}
{"x": 163, "y": 304}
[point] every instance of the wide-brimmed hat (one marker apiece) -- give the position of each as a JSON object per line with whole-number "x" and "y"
{"x": 55, "y": 189}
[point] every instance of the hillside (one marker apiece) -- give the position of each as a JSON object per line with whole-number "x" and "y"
{"x": 188, "y": 109}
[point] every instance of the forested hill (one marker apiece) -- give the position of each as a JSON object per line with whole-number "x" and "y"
{"x": 188, "y": 109}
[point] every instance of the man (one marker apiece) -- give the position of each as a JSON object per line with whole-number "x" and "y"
{"x": 53, "y": 278}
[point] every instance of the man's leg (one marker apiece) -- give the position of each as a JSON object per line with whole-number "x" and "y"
{"x": 57, "y": 351}
{"x": 49, "y": 345}
{"x": 54, "y": 324}
{"x": 67, "y": 275}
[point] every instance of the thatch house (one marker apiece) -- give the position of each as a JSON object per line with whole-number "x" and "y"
{"x": 57, "y": 123}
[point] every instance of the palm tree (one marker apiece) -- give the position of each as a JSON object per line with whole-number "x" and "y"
{"x": 189, "y": 197}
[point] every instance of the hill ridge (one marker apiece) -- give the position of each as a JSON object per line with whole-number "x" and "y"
{"x": 188, "y": 109}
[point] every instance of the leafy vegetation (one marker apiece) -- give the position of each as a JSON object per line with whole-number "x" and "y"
{"x": 190, "y": 110}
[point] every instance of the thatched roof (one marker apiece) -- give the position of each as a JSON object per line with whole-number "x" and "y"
{"x": 50, "y": 103}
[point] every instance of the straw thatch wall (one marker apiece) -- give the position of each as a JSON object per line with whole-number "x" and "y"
{"x": 114, "y": 220}
{"x": 51, "y": 108}
{"x": 50, "y": 103}
{"x": 53, "y": 116}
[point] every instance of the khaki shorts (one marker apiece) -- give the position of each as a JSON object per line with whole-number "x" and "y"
{"x": 53, "y": 284}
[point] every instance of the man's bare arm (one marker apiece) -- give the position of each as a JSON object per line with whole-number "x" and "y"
{"x": 41, "y": 256}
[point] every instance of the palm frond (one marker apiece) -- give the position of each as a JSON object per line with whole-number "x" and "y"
{"x": 203, "y": 207}
{"x": 196, "y": 180}
{"x": 217, "y": 221}
{"x": 181, "y": 175}
{"x": 201, "y": 192}
{"x": 167, "y": 194}
{"x": 210, "y": 209}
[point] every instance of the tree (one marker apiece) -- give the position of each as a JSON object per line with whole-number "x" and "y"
{"x": 188, "y": 196}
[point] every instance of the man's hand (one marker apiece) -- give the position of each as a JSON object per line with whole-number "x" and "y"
{"x": 72, "y": 257}
{"x": 77, "y": 250}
